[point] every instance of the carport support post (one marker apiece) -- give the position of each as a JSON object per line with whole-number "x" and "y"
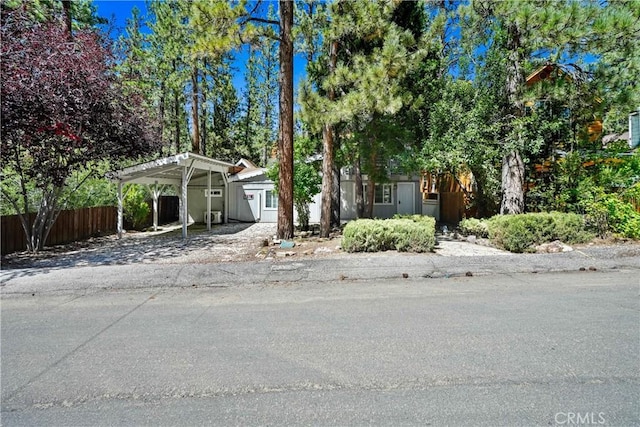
{"x": 120, "y": 209}
{"x": 155, "y": 193}
{"x": 208, "y": 216}
{"x": 187, "y": 173}
{"x": 185, "y": 208}
{"x": 225, "y": 178}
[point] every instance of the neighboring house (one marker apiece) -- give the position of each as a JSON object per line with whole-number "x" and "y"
{"x": 634, "y": 129}
{"x": 594, "y": 129}
{"x": 551, "y": 72}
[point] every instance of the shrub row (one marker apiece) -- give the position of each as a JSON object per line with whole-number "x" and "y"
{"x": 521, "y": 233}
{"x": 611, "y": 214}
{"x": 408, "y": 234}
{"x": 474, "y": 226}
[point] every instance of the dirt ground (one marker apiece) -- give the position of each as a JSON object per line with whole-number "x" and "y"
{"x": 224, "y": 243}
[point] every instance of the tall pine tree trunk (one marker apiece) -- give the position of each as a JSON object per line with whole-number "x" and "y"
{"x": 327, "y": 157}
{"x": 66, "y": 7}
{"x": 285, "y": 141}
{"x": 371, "y": 196}
{"x": 195, "y": 118}
{"x": 161, "y": 113}
{"x": 204, "y": 87}
{"x": 357, "y": 171}
{"x": 512, "y": 184}
{"x": 327, "y": 180}
{"x": 247, "y": 124}
{"x": 512, "y": 164}
{"x": 335, "y": 195}
{"x": 176, "y": 118}
{"x": 176, "y": 112}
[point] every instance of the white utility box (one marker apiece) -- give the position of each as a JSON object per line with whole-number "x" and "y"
{"x": 216, "y": 217}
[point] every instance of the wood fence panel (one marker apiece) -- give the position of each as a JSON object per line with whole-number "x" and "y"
{"x": 70, "y": 226}
{"x": 12, "y": 234}
{"x": 451, "y": 207}
{"x": 168, "y": 207}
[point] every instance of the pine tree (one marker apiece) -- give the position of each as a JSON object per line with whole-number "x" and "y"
{"x": 260, "y": 97}
{"x": 560, "y": 32}
{"x": 365, "y": 57}
{"x": 285, "y": 133}
{"x": 167, "y": 44}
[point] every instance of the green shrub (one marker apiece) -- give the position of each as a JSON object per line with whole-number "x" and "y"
{"x": 135, "y": 207}
{"x": 610, "y": 214}
{"x": 474, "y": 226}
{"x": 413, "y": 236}
{"x": 409, "y": 234}
{"x": 570, "y": 228}
{"x": 520, "y": 233}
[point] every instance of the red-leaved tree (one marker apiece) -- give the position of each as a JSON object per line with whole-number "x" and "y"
{"x": 62, "y": 109}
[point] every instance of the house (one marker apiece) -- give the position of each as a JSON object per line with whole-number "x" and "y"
{"x": 594, "y": 129}
{"x": 591, "y": 131}
{"x": 253, "y": 197}
{"x": 211, "y": 191}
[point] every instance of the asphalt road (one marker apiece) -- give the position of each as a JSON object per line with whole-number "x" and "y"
{"x": 554, "y": 348}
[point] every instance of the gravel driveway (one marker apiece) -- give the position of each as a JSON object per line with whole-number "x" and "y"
{"x": 225, "y": 242}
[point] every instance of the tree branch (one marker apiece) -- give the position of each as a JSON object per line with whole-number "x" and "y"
{"x": 263, "y": 21}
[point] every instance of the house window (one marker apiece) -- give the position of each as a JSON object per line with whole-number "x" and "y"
{"x": 215, "y": 192}
{"x": 383, "y": 194}
{"x": 270, "y": 199}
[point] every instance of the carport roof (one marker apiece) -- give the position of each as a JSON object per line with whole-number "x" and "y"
{"x": 168, "y": 170}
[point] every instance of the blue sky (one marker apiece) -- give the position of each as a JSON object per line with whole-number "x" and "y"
{"x": 118, "y": 11}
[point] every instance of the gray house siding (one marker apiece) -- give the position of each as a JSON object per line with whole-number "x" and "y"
{"x": 404, "y": 191}
{"x": 247, "y": 201}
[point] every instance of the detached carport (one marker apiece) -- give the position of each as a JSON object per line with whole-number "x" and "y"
{"x": 178, "y": 171}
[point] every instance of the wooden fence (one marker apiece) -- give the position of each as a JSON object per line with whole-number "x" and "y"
{"x": 71, "y": 226}
{"x": 452, "y": 207}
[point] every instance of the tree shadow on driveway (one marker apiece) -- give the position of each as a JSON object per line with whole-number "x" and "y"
{"x": 225, "y": 242}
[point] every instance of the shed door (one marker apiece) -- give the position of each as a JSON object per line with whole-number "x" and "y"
{"x": 406, "y": 198}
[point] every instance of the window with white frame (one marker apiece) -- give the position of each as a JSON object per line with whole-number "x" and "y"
{"x": 383, "y": 194}
{"x": 215, "y": 192}
{"x": 270, "y": 199}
